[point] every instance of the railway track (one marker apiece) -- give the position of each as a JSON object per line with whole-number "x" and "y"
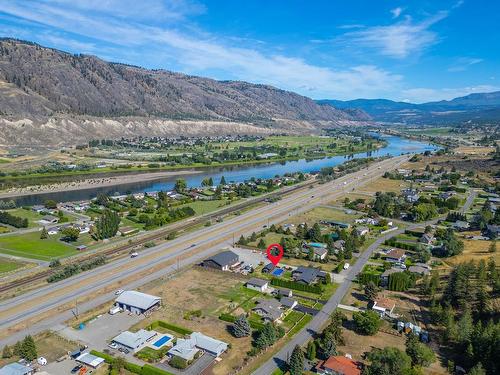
{"x": 36, "y": 278}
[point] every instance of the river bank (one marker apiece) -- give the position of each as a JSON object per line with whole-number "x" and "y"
{"x": 92, "y": 183}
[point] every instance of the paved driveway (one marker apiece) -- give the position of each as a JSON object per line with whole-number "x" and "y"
{"x": 195, "y": 369}
{"x": 99, "y": 332}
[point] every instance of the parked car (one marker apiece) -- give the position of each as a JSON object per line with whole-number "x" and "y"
{"x": 75, "y": 369}
{"x": 346, "y": 265}
{"x": 134, "y": 254}
{"x": 113, "y": 345}
{"x": 118, "y": 292}
{"x": 42, "y": 361}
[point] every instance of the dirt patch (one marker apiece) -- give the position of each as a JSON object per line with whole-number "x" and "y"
{"x": 196, "y": 289}
{"x": 474, "y": 250}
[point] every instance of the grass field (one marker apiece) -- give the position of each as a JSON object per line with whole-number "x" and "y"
{"x": 323, "y": 213}
{"x": 32, "y": 216}
{"x": 474, "y": 250}
{"x": 204, "y": 207}
{"x": 385, "y": 184}
{"x": 9, "y": 265}
{"x": 29, "y": 245}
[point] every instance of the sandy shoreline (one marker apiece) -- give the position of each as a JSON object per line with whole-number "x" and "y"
{"x": 91, "y": 183}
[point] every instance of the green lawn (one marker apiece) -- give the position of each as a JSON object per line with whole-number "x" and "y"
{"x": 203, "y": 207}
{"x": 30, "y": 245}
{"x": 9, "y": 265}
{"x": 32, "y": 216}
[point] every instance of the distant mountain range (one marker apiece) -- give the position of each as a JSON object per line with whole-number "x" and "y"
{"x": 55, "y": 90}
{"x": 479, "y": 108}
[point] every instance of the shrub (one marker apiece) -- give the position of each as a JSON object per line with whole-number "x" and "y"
{"x": 178, "y": 362}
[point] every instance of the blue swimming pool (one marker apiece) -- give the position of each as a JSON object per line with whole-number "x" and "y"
{"x": 278, "y": 272}
{"x": 160, "y": 342}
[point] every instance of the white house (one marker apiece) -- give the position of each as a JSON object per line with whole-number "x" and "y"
{"x": 134, "y": 341}
{"x": 188, "y": 348}
{"x": 260, "y": 285}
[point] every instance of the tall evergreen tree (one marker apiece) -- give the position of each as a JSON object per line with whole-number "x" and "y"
{"x": 311, "y": 350}
{"x": 241, "y": 327}
{"x": 6, "y": 353}
{"x": 44, "y": 234}
{"x": 28, "y": 349}
{"x": 296, "y": 363}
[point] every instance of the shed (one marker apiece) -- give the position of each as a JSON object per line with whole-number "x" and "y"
{"x": 90, "y": 360}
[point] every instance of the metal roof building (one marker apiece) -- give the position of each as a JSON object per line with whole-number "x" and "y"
{"x": 222, "y": 261}
{"x": 90, "y": 360}
{"x": 137, "y": 302}
{"x": 134, "y": 340}
{"x": 16, "y": 369}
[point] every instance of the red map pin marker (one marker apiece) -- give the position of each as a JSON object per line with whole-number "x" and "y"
{"x": 274, "y": 258}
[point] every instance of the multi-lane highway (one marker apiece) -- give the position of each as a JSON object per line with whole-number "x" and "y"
{"x": 48, "y": 307}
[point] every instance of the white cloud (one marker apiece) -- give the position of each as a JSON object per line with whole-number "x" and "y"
{"x": 422, "y": 95}
{"x": 396, "y": 12}
{"x": 398, "y": 40}
{"x": 197, "y": 52}
{"x": 463, "y": 63}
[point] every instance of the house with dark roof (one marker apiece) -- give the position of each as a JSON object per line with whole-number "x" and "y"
{"x": 268, "y": 268}
{"x": 283, "y": 292}
{"x": 269, "y": 309}
{"x": 396, "y": 256}
{"x": 493, "y": 231}
{"x": 384, "y": 278}
{"x": 222, "y": 261}
{"x": 307, "y": 275}
{"x": 288, "y": 303}
{"x": 426, "y": 238}
{"x": 338, "y": 365}
{"x": 420, "y": 268}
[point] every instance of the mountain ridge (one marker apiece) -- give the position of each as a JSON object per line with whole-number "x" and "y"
{"x": 477, "y": 107}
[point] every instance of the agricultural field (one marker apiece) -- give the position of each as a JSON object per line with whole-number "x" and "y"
{"x": 29, "y": 245}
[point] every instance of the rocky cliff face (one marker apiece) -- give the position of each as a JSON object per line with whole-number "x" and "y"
{"x": 40, "y": 86}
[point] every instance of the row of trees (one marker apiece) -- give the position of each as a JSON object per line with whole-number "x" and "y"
{"x": 106, "y": 226}
{"x": 23, "y": 349}
{"x": 15, "y": 221}
{"x": 465, "y": 307}
{"x": 75, "y": 268}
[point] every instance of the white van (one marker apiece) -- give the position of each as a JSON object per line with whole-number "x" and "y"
{"x": 346, "y": 265}
{"x": 114, "y": 310}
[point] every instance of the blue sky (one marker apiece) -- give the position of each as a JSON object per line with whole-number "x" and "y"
{"x": 403, "y": 50}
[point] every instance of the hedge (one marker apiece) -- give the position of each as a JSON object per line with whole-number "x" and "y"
{"x": 402, "y": 245}
{"x": 169, "y": 326}
{"x": 231, "y": 319}
{"x": 339, "y": 267}
{"x": 365, "y": 277}
{"x": 132, "y": 367}
{"x": 297, "y": 286}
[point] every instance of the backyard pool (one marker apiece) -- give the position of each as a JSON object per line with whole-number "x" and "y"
{"x": 278, "y": 272}
{"x": 162, "y": 341}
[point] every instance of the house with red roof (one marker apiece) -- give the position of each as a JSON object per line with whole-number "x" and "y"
{"x": 339, "y": 365}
